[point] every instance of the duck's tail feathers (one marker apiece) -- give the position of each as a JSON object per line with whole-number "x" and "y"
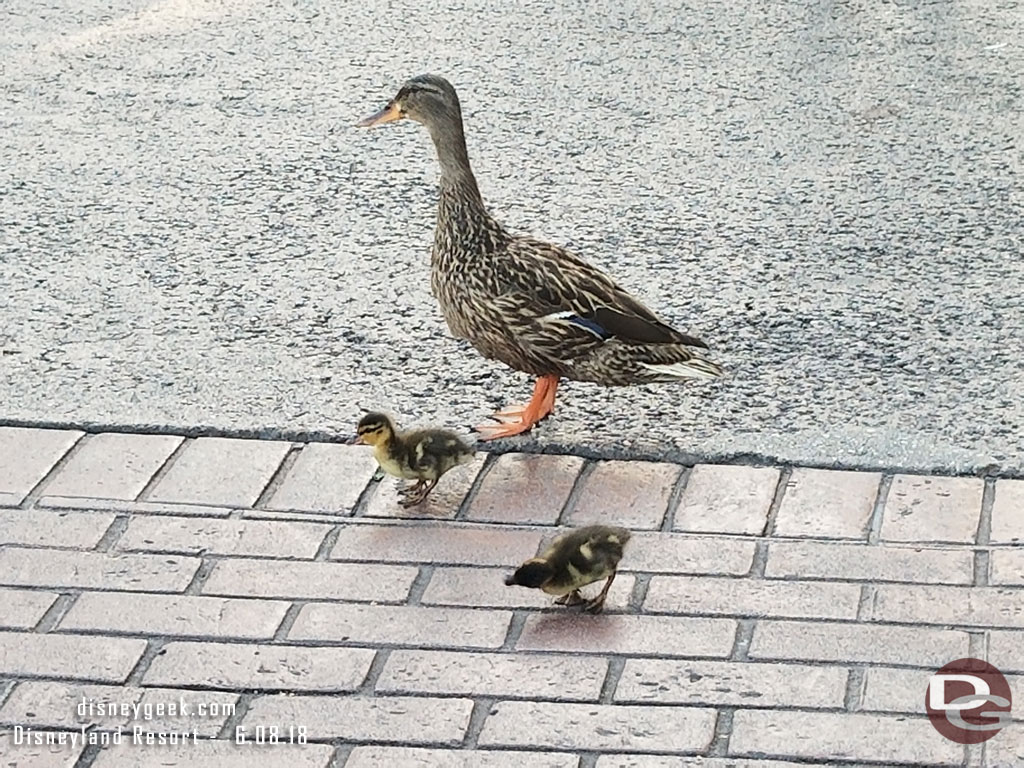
{"x": 694, "y": 368}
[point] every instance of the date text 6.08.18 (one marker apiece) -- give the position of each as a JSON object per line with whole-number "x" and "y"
{"x": 270, "y": 734}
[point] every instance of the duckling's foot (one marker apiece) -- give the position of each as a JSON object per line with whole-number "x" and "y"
{"x": 520, "y": 418}
{"x": 414, "y": 488}
{"x": 594, "y": 606}
{"x": 570, "y": 598}
{"x": 418, "y": 493}
{"x": 597, "y": 604}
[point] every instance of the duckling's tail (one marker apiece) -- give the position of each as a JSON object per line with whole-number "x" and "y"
{"x": 694, "y": 368}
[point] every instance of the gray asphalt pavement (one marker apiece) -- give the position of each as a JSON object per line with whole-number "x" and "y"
{"x": 194, "y": 235}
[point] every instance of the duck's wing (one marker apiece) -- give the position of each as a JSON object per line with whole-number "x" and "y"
{"x": 606, "y": 547}
{"x": 553, "y": 298}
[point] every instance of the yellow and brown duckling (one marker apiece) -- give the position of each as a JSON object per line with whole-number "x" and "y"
{"x": 423, "y": 455}
{"x": 572, "y": 561}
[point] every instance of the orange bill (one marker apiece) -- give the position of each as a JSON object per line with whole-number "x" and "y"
{"x": 389, "y": 114}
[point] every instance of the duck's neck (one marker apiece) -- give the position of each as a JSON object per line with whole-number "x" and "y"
{"x": 450, "y": 142}
{"x": 460, "y": 205}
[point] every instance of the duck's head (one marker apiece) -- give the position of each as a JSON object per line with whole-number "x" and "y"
{"x": 374, "y": 429}
{"x": 534, "y": 573}
{"x": 427, "y": 99}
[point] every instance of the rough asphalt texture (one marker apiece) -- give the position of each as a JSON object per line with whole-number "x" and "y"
{"x": 193, "y": 233}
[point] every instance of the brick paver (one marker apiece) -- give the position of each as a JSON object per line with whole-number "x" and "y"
{"x": 967, "y": 606}
{"x": 401, "y": 625}
{"x": 629, "y": 635}
{"x": 462, "y": 545}
{"x": 222, "y": 471}
{"x": 260, "y": 667}
{"x": 42, "y": 528}
{"x": 747, "y": 597}
{"x": 877, "y": 644}
{"x": 422, "y": 757}
{"x": 175, "y": 615}
{"x": 325, "y": 478}
{"x": 1007, "y": 749}
{"x": 113, "y": 466}
{"x": 1008, "y": 566}
{"x": 38, "y": 756}
{"x": 1007, "y": 520}
{"x": 860, "y": 562}
{"x": 671, "y": 761}
{"x": 27, "y": 456}
{"x": 309, "y": 580}
{"x": 624, "y": 727}
{"x": 1004, "y": 650}
{"x": 675, "y": 553}
{"x": 412, "y": 720}
{"x": 22, "y": 609}
{"x": 836, "y": 736}
{"x": 631, "y": 494}
{"x": 750, "y": 626}
{"x": 828, "y": 504}
{"x": 252, "y": 538}
{"x": 216, "y": 754}
{"x": 889, "y": 689}
{"x": 68, "y": 657}
{"x": 925, "y": 509}
{"x": 532, "y": 676}
{"x": 727, "y": 499}
{"x": 508, "y": 493}
{"x": 96, "y": 570}
{"x": 726, "y": 683}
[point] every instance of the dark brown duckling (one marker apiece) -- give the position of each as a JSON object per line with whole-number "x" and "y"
{"x": 573, "y": 560}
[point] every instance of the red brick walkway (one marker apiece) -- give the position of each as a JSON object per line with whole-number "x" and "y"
{"x": 764, "y": 616}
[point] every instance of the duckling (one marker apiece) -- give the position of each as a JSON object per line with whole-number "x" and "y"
{"x": 423, "y": 455}
{"x": 574, "y": 560}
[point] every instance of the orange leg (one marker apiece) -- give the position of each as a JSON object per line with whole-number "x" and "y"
{"x": 597, "y": 604}
{"x": 519, "y": 419}
{"x": 549, "y": 398}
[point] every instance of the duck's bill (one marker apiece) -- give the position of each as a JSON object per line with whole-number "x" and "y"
{"x": 359, "y": 440}
{"x": 389, "y": 114}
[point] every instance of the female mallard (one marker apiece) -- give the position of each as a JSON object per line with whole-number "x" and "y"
{"x": 532, "y": 305}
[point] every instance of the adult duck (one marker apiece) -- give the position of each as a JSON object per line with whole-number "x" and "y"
{"x": 532, "y": 305}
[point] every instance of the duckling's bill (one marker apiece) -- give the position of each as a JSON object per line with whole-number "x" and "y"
{"x": 389, "y": 114}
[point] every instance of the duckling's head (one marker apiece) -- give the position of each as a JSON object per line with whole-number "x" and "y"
{"x": 374, "y": 429}
{"x": 427, "y": 99}
{"x": 534, "y": 573}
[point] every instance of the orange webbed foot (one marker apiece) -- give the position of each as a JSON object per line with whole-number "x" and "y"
{"x": 507, "y": 429}
{"x": 517, "y": 419}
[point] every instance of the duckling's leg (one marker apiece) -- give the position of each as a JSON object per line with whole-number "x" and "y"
{"x": 570, "y": 598}
{"x": 425, "y": 487}
{"x": 516, "y": 420}
{"x": 597, "y": 604}
{"x": 414, "y": 488}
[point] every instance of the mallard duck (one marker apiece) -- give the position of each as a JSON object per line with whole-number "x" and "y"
{"x": 574, "y": 560}
{"x": 534, "y": 306}
{"x": 423, "y": 455}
